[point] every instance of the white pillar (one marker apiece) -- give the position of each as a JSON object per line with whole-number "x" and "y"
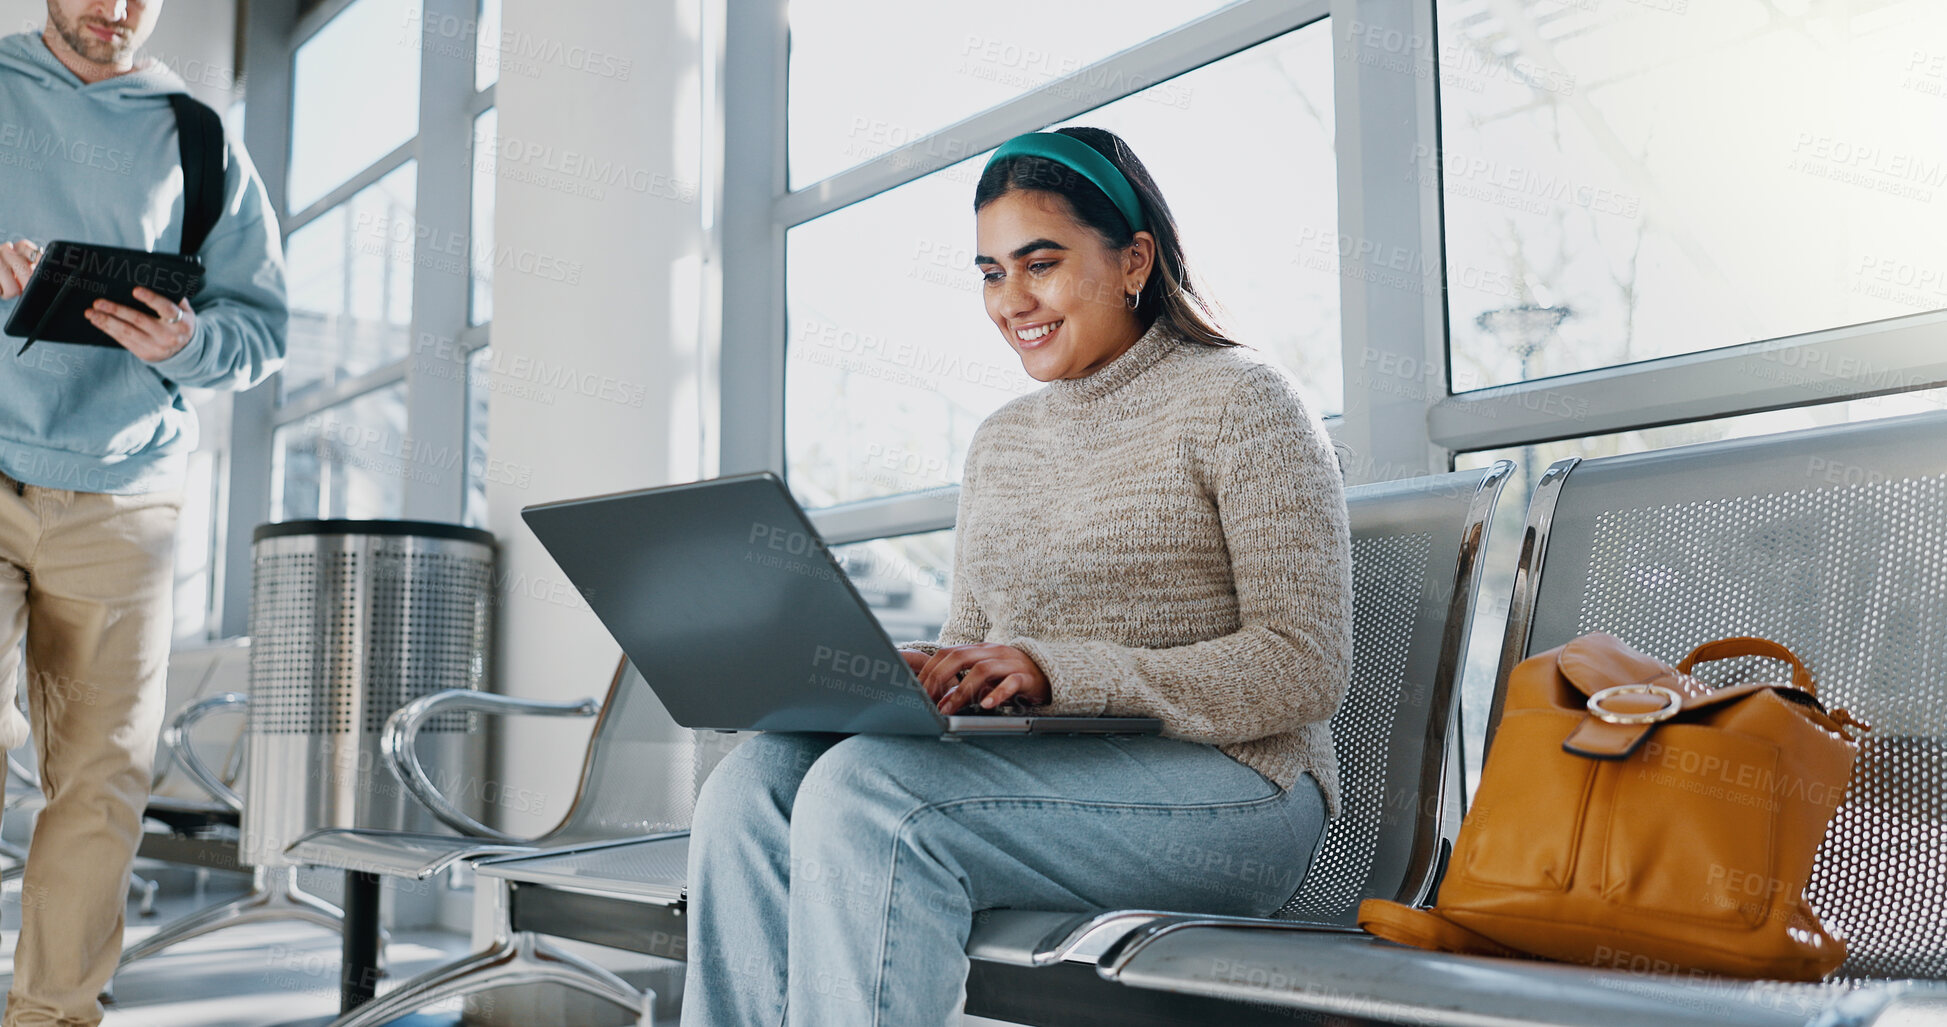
{"x": 596, "y": 364}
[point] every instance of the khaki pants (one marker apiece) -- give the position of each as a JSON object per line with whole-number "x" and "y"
{"x": 86, "y": 578}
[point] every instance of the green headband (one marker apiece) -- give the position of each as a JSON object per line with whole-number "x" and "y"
{"x": 1084, "y": 160}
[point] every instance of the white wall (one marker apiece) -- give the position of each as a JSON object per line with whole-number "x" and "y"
{"x": 197, "y": 38}
{"x": 595, "y": 97}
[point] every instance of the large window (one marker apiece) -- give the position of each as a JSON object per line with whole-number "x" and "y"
{"x": 1570, "y": 227}
{"x": 389, "y": 299}
{"x": 479, "y": 380}
{"x": 197, "y": 530}
{"x": 889, "y": 372}
{"x": 350, "y": 281}
{"x": 486, "y": 141}
{"x": 892, "y": 361}
{"x": 487, "y": 46}
{"x": 351, "y": 460}
{"x": 950, "y": 61}
{"x": 479, "y": 393}
{"x": 904, "y": 580}
{"x": 1589, "y": 193}
{"x": 347, "y": 86}
{"x": 1551, "y": 202}
{"x": 1626, "y": 181}
{"x": 1259, "y": 226}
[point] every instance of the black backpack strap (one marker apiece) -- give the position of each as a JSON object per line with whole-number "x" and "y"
{"x": 206, "y": 161}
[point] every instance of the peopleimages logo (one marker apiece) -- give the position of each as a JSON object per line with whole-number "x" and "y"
{"x": 1908, "y": 175}
{"x": 384, "y": 451}
{"x": 92, "y": 265}
{"x": 567, "y": 378}
{"x": 38, "y": 143}
{"x": 514, "y": 156}
{"x": 1027, "y": 67}
{"x": 1510, "y": 185}
{"x": 516, "y": 51}
{"x": 903, "y": 362}
{"x": 403, "y": 240}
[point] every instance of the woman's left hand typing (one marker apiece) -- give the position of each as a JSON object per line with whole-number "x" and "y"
{"x": 960, "y": 675}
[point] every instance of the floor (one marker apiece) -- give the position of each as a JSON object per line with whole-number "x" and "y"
{"x": 263, "y": 975}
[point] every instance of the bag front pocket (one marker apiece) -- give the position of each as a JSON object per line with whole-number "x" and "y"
{"x": 1692, "y": 827}
{"x": 1526, "y": 821}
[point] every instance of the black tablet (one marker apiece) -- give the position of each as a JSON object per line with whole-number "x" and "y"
{"x": 73, "y": 275}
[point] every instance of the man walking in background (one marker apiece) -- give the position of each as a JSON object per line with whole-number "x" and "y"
{"x": 94, "y": 442}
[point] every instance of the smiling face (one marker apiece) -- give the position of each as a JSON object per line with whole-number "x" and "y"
{"x": 1054, "y": 288}
{"x": 102, "y": 35}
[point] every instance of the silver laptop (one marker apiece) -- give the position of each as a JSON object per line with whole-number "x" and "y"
{"x": 725, "y": 598}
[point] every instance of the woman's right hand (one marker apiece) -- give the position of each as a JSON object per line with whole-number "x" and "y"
{"x": 958, "y": 676}
{"x": 17, "y": 260}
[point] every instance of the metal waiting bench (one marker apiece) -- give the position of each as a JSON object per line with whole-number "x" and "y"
{"x": 1416, "y": 551}
{"x": 639, "y": 777}
{"x": 1832, "y": 541}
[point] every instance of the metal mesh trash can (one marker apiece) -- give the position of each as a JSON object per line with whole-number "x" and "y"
{"x": 349, "y": 620}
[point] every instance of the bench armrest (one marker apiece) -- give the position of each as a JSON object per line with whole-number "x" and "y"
{"x": 1133, "y": 941}
{"x": 25, "y": 774}
{"x": 402, "y": 732}
{"x": 176, "y": 736}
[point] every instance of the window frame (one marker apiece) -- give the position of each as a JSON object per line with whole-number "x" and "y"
{"x": 1402, "y": 417}
{"x": 1827, "y": 365}
{"x": 1395, "y": 424}
{"x": 755, "y": 209}
{"x": 436, "y": 390}
{"x": 1874, "y": 358}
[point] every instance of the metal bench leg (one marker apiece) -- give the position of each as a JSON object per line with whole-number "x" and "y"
{"x": 515, "y": 957}
{"x": 19, "y": 857}
{"x": 522, "y": 959}
{"x": 274, "y": 895}
{"x": 146, "y": 889}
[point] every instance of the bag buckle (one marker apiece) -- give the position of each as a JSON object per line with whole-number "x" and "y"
{"x": 1672, "y": 702}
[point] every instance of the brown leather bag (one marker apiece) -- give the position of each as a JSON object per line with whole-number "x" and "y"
{"x": 1629, "y": 816}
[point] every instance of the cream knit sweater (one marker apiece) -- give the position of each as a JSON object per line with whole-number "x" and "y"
{"x": 1167, "y": 538}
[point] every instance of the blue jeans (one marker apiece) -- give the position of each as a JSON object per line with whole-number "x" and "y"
{"x": 837, "y": 877}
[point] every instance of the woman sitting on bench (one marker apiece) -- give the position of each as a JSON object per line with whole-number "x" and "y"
{"x": 1159, "y": 532}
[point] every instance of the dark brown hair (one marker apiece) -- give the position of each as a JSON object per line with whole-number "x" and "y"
{"x": 1172, "y": 293}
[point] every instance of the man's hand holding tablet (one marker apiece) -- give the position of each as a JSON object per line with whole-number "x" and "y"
{"x": 155, "y": 334}
{"x": 100, "y": 296}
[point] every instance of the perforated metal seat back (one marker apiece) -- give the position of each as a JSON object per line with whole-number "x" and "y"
{"x": 1833, "y": 542}
{"x": 1412, "y": 542}
{"x": 641, "y": 771}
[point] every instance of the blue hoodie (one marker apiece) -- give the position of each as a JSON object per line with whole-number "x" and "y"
{"x": 100, "y": 164}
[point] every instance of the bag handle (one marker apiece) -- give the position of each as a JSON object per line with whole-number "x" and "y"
{"x": 1730, "y": 648}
